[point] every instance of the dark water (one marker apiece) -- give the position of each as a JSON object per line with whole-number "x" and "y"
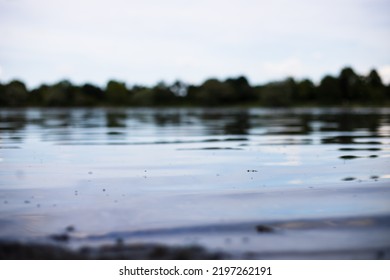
{"x": 319, "y": 178}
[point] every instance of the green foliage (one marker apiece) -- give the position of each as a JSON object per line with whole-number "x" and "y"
{"x": 329, "y": 91}
{"x": 89, "y": 94}
{"x": 242, "y": 90}
{"x": 142, "y": 96}
{"x": 375, "y": 90}
{"x": 162, "y": 94}
{"x": 3, "y": 99}
{"x": 117, "y": 93}
{"x": 373, "y": 80}
{"x": 14, "y": 94}
{"x": 278, "y": 94}
{"x": 345, "y": 89}
{"x": 213, "y": 93}
{"x": 306, "y": 91}
{"x": 351, "y": 85}
{"x": 58, "y": 95}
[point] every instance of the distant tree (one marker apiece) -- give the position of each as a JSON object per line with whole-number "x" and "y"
{"x": 329, "y": 91}
{"x": 59, "y": 94}
{"x": 163, "y": 95}
{"x": 35, "y": 97}
{"x": 351, "y": 85}
{"x": 117, "y": 93}
{"x": 387, "y": 92}
{"x": 278, "y": 94}
{"x": 213, "y": 93}
{"x": 93, "y": 91}
{"x": 374, "y": 80}
{"x": 242, "y": 89}
{"x": 375, "y": 91}
{"x": 306, "y": 91}
{"x": 347, "y": 88}
{"x": 142, "y": 96}
{"x": 14, "y": 94}
{"x": 3, "y": 99}
{"x": 89, "y": 95}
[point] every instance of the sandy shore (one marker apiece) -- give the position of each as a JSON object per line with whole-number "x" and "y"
{"x": 25, "y": 251}
{"x": 342, "y": 238}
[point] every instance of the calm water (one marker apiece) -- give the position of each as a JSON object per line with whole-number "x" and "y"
{"x": 203, "y": 176}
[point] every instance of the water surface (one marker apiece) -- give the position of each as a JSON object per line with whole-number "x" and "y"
{"x": 319, "y": 178}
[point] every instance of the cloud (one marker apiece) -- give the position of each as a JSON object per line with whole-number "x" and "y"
{"x": 290, "y": 67}
{"x": 384, "y": 72}
{"x": 145, "y": 41}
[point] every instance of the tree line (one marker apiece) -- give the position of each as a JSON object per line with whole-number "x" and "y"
{"x": 348, "y": 88}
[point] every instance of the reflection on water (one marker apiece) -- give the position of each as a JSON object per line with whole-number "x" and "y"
{"x": 337, "y": 126}
{"x": 106, "y": 170}
{"x": 280, "y": 137}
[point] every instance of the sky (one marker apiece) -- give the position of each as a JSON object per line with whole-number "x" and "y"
{"x": 145, "y": 42}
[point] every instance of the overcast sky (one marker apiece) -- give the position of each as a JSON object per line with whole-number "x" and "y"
{"x": 144, "y": 42}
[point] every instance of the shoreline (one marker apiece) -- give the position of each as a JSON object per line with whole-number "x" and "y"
{"x": 320, "y": 239}
{"x": 38, "y": 251}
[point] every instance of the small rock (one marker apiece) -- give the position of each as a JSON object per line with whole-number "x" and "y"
{"x": 264, "y": 229}
{"x": 349, "y": 179}
{"x": 347, "y": 157}
{"x": 70, "y": 228}
{"x": 60, "y": 237}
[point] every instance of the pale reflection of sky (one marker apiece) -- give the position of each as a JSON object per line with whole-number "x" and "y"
{"x": 157, "y": 170}
{"x": 291, "y": 156}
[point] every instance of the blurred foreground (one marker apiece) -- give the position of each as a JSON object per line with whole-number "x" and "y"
{"x": 242, "y": 183}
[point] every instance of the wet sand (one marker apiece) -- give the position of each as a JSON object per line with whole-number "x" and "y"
{"x": 325, "y": 239}
{"x": 31, "y": 251}
{"x": 23, "y": 251}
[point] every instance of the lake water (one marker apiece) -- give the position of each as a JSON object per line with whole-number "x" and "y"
{"x": 251, "y": 182}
